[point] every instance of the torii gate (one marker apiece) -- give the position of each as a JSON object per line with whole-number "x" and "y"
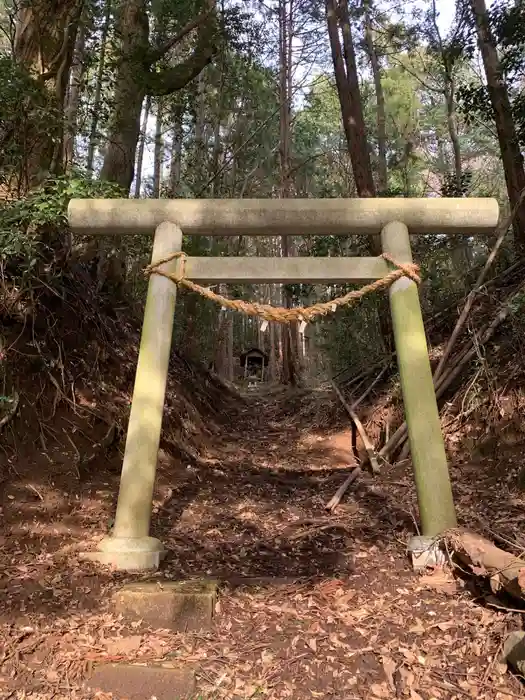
{"x": 130, "y": 547}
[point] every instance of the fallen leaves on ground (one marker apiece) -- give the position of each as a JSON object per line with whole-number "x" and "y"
{"x": 331, "y": 608}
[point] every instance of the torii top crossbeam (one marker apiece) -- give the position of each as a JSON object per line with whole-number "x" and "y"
{"x": 233, "y": 217}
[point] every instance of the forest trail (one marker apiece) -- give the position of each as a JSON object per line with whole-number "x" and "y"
{"x": 311, "y": 604}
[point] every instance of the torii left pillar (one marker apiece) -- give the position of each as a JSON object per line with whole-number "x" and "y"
{"x": 130, "y": 546}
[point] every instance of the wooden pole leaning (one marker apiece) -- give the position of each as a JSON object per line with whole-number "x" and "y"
{"x": 434, "y": 492}
{"x": 130, "y": 547}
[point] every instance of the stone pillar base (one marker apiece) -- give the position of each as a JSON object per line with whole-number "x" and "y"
{"x": 129, "y": 553}
{"x": 426, "y": 552}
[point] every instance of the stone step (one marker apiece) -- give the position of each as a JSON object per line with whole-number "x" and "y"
{"x": 180, "y": 606}
{"x": 163, "y": 681}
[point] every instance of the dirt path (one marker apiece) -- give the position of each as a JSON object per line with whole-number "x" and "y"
{"x": 312, "y": 605}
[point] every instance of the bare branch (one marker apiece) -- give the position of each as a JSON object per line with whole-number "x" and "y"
{"x": 172, "y": 79}
{"x": 155, "y": 54}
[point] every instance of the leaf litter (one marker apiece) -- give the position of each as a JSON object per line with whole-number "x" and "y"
{"x": 309, "y": 606}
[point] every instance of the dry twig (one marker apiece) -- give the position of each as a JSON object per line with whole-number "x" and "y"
{"x": 338, "y": 495}
{"x": 370, "y": 450}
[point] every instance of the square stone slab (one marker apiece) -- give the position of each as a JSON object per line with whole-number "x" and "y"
{"x": 162, "y": 681}
{"x": 176, "y": 605}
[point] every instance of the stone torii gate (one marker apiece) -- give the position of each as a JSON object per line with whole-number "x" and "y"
{"x": 130, "y": 546}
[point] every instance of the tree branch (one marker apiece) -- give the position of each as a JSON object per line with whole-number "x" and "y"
{"x": 156, "y": 53}
{"x": 172, "y": 79}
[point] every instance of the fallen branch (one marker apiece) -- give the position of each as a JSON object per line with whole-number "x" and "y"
{"x": 501, "y": 229}
{"x": 505, "y": 571}
{"x": 61, "y": 395}
{"x": 98, "y": 447}
{"x": 35, "y": 491}
{"x": 317, "y": 528}
{"x": 338, "y": 495}
{"x": 369, "y": 388}
{"x": 370, "y": 450}
{"x": 432, "y": 323}
{"x": 445, "y": 380}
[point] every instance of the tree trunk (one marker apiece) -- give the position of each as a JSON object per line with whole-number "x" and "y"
{"x": 176, "y": 150}
{"x": 73, "y": 97}
{"x": 216, "y": 152}
{"x": 159, "y": 151}
{"x": 459, "y": 245}
{"x": 200, "y": 158}
{"x": 137, "y": 77}
{"x": 347, "y": 83}
{"x": 130, "y": 90}
{"x": 97, "y": 101}
{"x": 272, "y": 354}
{"x": 45, "y": 35}
{"x": 511, "y": 155}
{"x": 142, "y": 146}
{"x": 221, "y": 341}
{"x": 453, "y": 133}
{"x": 380, "y": 102}
{"x": 450, "y": 102}
{"x": 285, "y": 95}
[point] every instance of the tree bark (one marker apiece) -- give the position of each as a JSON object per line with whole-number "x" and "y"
{"x": 380, "y": 101}
{"x": 285, "y": 96}
{"x": 45, "y": 35}
{"x": 136, "y": 77}
{"x": 229, "y": 350}
{"x": 347, "y": 83}
{"x": 97, "y": 101}
{"x": 176, "y": 150}
{"x": 159, "y": 149}
{"x": 130, "y": 91}
{"x": 73, "y": 97}
{"x": 449, "y": 89}
{"x": 142, "y": 146}
{"x": 221, "y": 342}
{"x": 216, "y": 151}
{"x": 200, "y": 151}
{"x": 272, "y": 353}
{"x": 511, "y": 155}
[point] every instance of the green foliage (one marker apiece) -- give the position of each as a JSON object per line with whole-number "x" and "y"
{"x": 322, "y": 168}
{"x": 26, "y": 223}
{"x": 517, "y": 304}
{"x": 452, "y": 188}
{"x": 507, "y": 22}
{"x": 25, "y": 115}
{"x": 48, "y": 204}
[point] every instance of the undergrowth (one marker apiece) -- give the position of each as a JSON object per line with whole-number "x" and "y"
{"x": 65, "y": 330}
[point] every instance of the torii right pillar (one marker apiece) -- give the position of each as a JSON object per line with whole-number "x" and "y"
{"x": 434, "y": 491}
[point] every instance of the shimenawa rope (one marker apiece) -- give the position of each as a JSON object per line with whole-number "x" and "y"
{"x": 280, "y": 314}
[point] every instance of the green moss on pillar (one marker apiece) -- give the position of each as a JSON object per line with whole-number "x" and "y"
{"x": 434, "y": 492}
{"x": 130, "y": 547}
{"x": 133, "y": 514}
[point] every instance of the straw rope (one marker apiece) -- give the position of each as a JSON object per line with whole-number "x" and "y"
{"x": 280, "y": 314}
